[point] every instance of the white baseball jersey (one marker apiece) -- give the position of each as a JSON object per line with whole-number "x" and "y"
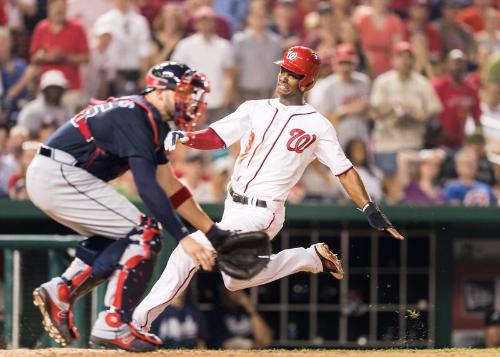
{"x": 277, "y": 144}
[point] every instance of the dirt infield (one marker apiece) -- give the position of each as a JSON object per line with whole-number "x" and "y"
{"x": 73, "y": 352}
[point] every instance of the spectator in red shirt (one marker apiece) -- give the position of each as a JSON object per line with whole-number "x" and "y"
{"x": 61, "y": 44}
{"x": 459, "y": 101}
{"x": 379, "y": 30}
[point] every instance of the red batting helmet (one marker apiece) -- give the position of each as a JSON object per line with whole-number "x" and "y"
{"x": 304, "y": 61}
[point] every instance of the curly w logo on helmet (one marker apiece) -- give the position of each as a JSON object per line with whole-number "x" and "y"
{"x": 291, "y": 55}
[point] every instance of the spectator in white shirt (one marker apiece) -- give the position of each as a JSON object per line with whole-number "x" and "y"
{"x": 343, "y": 97}
{"x": 129, "y": 46}
{"x": 212, "y": 55}
{"x": 48, "y": 107}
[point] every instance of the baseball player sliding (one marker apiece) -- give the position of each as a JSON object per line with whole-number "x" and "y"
{"x": 279, "y": 138}
{"x": 67, "y": 180}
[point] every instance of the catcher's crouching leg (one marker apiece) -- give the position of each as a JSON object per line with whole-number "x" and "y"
{"x": 55, "y": 298}
{"x": 128, "y": 280}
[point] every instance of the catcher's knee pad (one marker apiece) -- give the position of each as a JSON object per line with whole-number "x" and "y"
{"x": 135, "y": 269}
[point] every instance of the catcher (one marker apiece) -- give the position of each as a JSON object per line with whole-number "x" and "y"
{"x": 279, "y": 138}
{"x": 67, "y": 180}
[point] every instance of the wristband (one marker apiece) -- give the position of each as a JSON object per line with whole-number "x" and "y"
{"x": 181, "y": 196}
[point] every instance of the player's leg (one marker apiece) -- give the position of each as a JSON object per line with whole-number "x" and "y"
{"x": 173, "y": 281}
{"x": 315, "y": 259}
{"x": 91, "y": 207}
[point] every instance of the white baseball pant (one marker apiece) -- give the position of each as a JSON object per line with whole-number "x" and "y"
{"x": 181, "y": 267}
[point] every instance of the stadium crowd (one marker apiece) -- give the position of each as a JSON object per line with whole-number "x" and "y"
{"x": 411, "y": 86}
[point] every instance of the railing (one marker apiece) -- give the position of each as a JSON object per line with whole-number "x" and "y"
{"x": 23, "y": 227}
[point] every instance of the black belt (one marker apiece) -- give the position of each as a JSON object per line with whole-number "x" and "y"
{"x": 245, "y": 200}
{"x": 44, "y": 151}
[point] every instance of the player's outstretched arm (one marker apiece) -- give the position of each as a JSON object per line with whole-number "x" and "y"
{"x": 206, "y": 139}
{"x": 354, "y": 186}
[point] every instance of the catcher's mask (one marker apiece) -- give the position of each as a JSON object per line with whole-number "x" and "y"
{"x": 190, "y": 87}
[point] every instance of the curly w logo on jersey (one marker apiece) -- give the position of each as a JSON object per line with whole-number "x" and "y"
{"x": 300, "y": 140}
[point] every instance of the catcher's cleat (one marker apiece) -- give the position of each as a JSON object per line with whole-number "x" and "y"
{"x": 331, "y": 264}
{"x": 56, "y": 321}
{"x": 134, "y": 341}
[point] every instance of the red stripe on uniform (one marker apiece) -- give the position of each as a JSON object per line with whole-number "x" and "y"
{"x": 175, "y": 293}
{"x": 265, "y": 132}
{"x": 272, "y": 220}
{"x": 272, "y": 147}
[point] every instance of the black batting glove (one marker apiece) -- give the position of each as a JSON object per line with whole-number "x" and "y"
{"x": 375, "y": 217}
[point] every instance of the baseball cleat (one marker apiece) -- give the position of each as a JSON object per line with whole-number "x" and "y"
{"x": 129, "y": 342}
{"x": 331, "y": 264}
{"x": 56, "y": 321}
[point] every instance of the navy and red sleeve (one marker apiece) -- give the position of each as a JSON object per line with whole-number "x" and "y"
{"x": 154, "y": 197}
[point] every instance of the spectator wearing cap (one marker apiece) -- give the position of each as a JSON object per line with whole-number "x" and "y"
{"x": 418, "y": 25}
{"x": 282, "y": 23}
{"x": 129, "y": 45}
{"x": 466, "y": 190}
{"x": 453, "y": 34}
{"x": 256, "y": 48}
{"x": 61, "y": 44}
{"x": 459, "y": 101}
{"x": 11, "y": 72}
{"x": 403, "y": 101}
{"x": 343, "y": 97}
{"x": 379, "y": 30}
{"x": 222, "y": 25}
{"x": 474, "y": 16}
{"x": 48, "y": 107}
{"x": 212, "y": 55}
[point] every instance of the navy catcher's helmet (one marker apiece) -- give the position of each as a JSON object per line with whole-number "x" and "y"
{"x": 189, "y": 85}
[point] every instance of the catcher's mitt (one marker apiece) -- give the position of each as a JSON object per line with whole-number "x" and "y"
{"x": 241, "y": 255}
